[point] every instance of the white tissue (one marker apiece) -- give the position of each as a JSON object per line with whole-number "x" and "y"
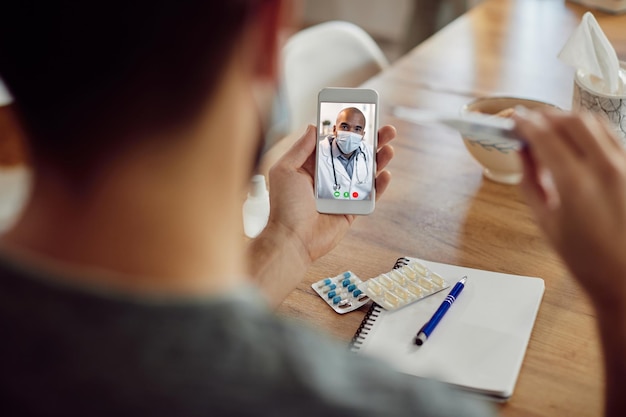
{"x": 589, "y": 50}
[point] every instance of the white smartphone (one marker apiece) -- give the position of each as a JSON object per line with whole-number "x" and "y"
{"x": 345, "y": 169}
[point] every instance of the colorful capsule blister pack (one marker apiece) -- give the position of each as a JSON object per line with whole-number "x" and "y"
{"x": 403, "y": 285}
{"x": 341, "y": 292}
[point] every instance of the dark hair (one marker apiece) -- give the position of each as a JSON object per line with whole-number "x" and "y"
{"x": 107, "y": 71}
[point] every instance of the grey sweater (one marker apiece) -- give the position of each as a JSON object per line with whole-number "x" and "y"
{"x": 73, "y": 351}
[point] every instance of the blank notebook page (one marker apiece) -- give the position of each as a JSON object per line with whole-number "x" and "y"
{"x": 478, "y": 345}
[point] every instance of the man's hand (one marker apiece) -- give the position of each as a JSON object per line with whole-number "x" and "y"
{"x": 581, "y": 205}
{"x": 296, "y": 234}
{"x": 292, "y": 194}
{"x": 575, "y": 182}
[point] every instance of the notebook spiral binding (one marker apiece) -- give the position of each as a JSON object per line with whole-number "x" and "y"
{"x": 401, "y": 262}
{"x": 371, "y": 316}
{"x": 365, "y": 327}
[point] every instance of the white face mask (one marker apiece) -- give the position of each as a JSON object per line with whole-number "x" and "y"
{"x": 348, "y": 142}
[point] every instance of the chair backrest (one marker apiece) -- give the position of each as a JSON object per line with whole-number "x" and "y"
{"x": 15, "y": 186}
{"x": 5, "y": 97}
{"x": 331, "y": 54}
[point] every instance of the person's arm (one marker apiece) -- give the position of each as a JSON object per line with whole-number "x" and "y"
{"x": 296, "y": 234}
{"x": 581, "y": 206}
{"x": 612, "y": 326}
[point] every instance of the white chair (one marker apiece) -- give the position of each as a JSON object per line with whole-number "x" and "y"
{"x": 15, "y": 185}
{"x": 15, "y": 181}
{"x": 5, "y": 97}
{"x": 331, "y": 54}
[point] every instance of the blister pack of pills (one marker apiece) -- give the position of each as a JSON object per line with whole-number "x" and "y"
{"x": 341, "y": 292}
{"x": 403, "y": 285}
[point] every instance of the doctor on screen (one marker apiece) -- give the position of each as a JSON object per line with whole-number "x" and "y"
{"x": 345, "y": 159}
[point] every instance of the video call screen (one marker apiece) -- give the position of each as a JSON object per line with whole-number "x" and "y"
{"x": 346, "y": 150}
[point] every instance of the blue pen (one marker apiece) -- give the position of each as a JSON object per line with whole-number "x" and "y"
{"x": 430, "y": 325}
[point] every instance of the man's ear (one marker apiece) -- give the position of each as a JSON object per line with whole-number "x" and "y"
{"x": 263, "y": 38}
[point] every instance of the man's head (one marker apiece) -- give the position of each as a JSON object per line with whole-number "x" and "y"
{"x": 89, "y": 78}
{"x": 349, "y": 130}
{"x": 350, "y": 119}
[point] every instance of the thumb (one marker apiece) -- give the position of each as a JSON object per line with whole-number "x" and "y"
{"x": 303, "y": 148}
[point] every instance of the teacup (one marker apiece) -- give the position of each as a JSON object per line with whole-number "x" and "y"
{"x": 499, "y": 158}
{"x": 611, "y": 106}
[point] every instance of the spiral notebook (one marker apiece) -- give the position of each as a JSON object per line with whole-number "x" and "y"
{"x": 480, "y": 343}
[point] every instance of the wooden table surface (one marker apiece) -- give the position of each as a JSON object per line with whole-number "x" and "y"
{"x": 440, "y": 208}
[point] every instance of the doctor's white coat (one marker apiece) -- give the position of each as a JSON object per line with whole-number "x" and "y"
{"x": 356, "y": 187}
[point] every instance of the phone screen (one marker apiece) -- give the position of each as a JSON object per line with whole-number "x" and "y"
{"x": 346, "y": 135}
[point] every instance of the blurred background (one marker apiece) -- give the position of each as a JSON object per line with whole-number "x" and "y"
{"x": 385, "y": 30}
{"x": 396, "y": 25}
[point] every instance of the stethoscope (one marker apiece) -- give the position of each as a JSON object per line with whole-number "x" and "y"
{"x": 359, "y": 181}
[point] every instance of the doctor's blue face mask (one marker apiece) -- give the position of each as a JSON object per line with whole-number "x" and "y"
{"x": 348, "y": 142}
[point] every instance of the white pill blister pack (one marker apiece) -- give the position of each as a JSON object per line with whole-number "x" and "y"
{"x": 341, "y": 292}
{"x": 403, "y": 285}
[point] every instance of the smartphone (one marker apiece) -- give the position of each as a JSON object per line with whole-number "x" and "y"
{"x": 347, "y": 139}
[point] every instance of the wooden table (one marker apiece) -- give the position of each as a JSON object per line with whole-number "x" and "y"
{"x": 440, "y": 208}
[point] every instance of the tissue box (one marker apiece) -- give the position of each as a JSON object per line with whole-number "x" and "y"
{"x": 611, "y": 6}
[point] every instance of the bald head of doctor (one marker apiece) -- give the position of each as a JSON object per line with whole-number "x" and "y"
{"x": 350, "y": 119}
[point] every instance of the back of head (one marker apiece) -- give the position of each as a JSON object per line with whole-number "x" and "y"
{"x": 87, "y": 76}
